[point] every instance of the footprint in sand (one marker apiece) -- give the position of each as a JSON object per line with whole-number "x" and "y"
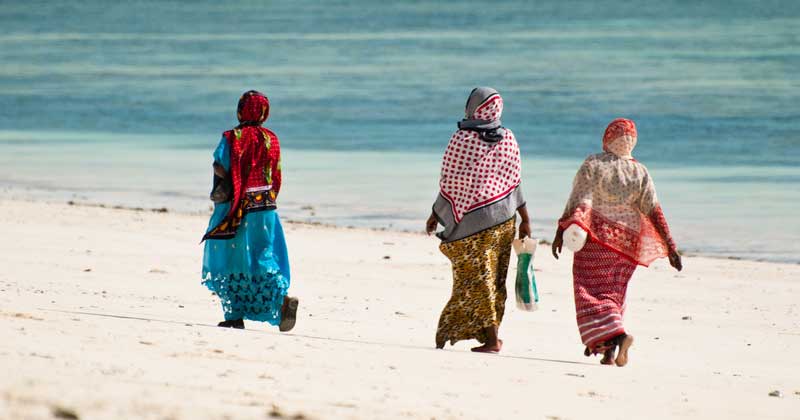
{"x": 21, "y": 315}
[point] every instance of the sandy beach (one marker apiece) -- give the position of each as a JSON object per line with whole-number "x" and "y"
{"x": 103, "y": 316}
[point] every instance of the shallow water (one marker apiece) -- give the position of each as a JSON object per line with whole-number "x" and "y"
{"x": 123, "y": 103}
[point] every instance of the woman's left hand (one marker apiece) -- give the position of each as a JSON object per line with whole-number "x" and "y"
{"x": 675, "y": 260}
{"x": 524, "y": 230}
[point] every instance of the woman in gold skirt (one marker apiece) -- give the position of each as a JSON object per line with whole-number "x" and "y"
{"x": 479, "y": 196}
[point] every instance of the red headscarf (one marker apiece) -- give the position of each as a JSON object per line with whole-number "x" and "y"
{"x": 253, "y": 108}
{"x": 255, "y": 164}
{"x": 620, "y": 137}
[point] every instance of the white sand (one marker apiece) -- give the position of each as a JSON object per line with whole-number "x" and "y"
{"x": 134, "y": 337}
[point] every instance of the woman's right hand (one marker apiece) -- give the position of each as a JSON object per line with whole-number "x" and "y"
{"x": 430, "y": 225}
{"x": 558, "y": 242}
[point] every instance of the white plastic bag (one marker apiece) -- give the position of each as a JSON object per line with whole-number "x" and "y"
{"x": 575, "y": 237}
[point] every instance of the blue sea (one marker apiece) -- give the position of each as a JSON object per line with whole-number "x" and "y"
{"x": 122, "y": 103}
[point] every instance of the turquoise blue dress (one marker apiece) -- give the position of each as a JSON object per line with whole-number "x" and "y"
{"x": 250, "y": 272}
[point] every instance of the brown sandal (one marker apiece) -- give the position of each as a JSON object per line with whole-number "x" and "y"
{"x": 233, "y": 323}
{"x": 608, "y": 356}
{"x": 288, "y": 314}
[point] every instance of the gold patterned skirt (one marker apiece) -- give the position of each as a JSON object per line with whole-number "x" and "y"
{"x": 480, "y": 265}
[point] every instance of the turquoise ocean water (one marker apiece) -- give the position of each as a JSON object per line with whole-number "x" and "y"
{"x": 123, "y": 103}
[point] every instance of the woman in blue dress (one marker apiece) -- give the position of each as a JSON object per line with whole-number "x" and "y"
{"x": 245, "y": 261}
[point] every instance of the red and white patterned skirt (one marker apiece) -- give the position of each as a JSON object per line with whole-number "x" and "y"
{"x": 600, "y": 280}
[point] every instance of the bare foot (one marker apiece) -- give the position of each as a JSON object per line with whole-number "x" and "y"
{"x": 625, "y": 343}
{"x": 608, "y": 357}
{"x": 489, "y": 348}
{"x": 440, "y": 343}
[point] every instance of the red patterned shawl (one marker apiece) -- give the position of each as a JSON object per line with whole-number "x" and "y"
{"x": 614, "y": 199}
{"x": 255, "y": 168}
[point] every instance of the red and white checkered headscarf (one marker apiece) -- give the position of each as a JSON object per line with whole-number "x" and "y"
{"x": 489, "y": 110}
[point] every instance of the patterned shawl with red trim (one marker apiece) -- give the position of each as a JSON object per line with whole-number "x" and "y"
{"x": 255, "y": 169}
{"x": 614, "y": 199}
{"x": 481, "y": 167}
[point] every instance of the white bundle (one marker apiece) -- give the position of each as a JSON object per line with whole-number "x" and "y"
{"x": 526, "y": 245}
{"x": 575, "y": 237}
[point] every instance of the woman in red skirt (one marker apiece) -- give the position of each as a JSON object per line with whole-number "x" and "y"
{"x": 614, "y": 201}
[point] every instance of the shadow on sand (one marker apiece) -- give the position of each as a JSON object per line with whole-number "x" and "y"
{"x": 312, "y": 337}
